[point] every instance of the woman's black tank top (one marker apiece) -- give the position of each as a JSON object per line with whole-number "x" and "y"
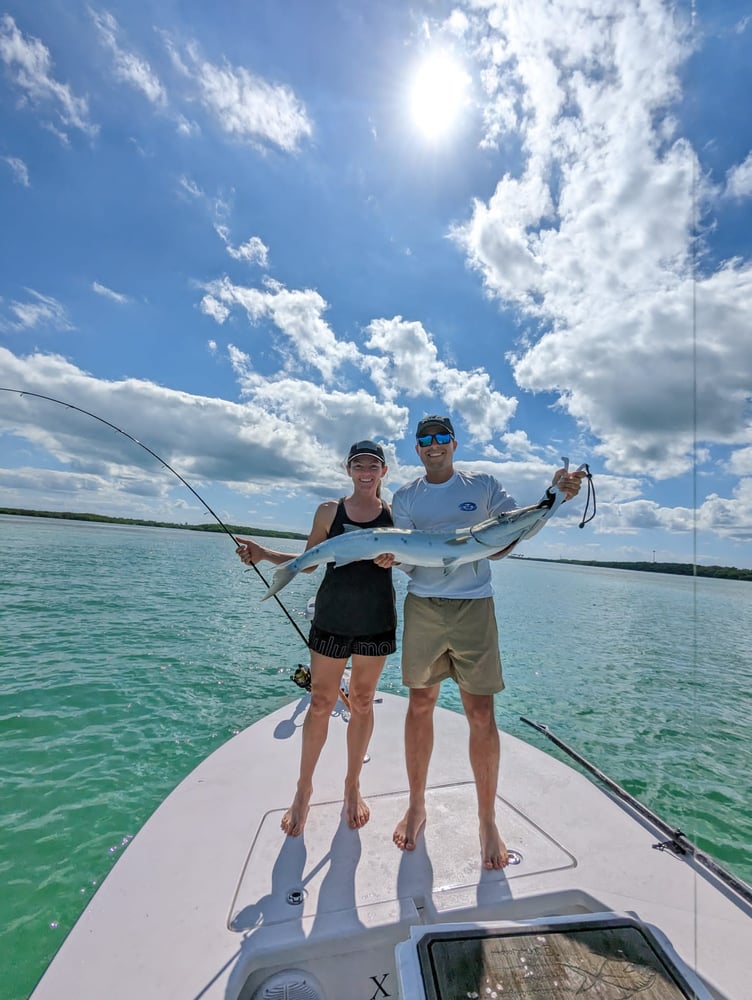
{"x": 358, "y": 599}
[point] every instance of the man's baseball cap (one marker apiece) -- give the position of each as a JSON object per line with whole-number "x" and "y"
{"x": 434, "y": 421}
{"x": 366, "y": 448}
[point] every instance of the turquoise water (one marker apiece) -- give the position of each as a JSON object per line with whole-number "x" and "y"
{"x": 127, "y": 654}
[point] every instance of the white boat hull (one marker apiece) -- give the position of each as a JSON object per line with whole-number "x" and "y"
{"x": 211, "y": 898}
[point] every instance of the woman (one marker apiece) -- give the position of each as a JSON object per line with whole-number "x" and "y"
{"x": 355, "y": 616}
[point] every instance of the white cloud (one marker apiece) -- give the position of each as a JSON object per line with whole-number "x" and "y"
{"x": 400, "y": 357}
{"x": 591, "y": 240}
{"x": 329, "y": 415}
{"x": 37, "y": 312}
{"x": 291, "y": 433}
{"x": 254, "y": 250}
{"x": 407, "y": 357}
{"x": 53, "y": 489}
{"x": 407, "y": 362}
{"x": 30, "y": 64}
{"x": 108, "y": 293}
{"x": 740, "y": 461}
{"x": 186, "y": 127}
{"x": 212, "y": 307}
{"x": 297, "y": 314}
{"x": 739, "y": 179}
{"x": 190, "y": 187}
{"x": 727, "y": 517}
{"x": 665, "y": 371}
{"x": 246, "y": 105}
{"x": 19, "y": 168}
{"x": 129, "y": 67}
{"x": 458, "y": 23}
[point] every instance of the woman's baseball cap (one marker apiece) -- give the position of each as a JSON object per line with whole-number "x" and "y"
{"x": 366, "y": 448}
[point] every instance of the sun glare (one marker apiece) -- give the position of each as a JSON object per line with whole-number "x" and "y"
{"x": 438, "y": 94}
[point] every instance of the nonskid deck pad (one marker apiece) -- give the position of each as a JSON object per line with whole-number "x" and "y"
{"x": 333, "y": 868}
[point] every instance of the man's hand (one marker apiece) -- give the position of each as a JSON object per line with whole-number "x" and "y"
{"x": 568, "y": 482}
{"x": 386, "y": 560}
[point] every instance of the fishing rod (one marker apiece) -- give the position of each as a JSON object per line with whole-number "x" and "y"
{"x": 677, "y": 843}
{"x": 223, "y": 526}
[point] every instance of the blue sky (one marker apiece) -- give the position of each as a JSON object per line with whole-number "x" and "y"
{"x": 249, "y": 234}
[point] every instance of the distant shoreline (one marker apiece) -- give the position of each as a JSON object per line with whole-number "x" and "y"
{"x": 677, "y": 569}
{"x": 235, "y": 529}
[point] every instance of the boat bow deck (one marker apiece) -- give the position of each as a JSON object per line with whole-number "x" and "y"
{"x": 202, "y": 903}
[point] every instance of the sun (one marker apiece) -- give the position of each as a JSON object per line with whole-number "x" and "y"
{"x": 438, "y": 94}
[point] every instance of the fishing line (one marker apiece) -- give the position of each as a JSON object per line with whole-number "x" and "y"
{"x": 695, "y": 446}
{"x": 88, "y": 413}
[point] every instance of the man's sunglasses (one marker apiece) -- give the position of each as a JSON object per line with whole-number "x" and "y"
{"x": 425, "y": 439}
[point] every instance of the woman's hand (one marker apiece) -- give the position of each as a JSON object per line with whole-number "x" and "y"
{"x": 250, "y": 552}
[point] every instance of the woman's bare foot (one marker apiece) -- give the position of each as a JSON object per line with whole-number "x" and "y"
{"x": 493, "y": 850}
{"x": 294, "y": 819}
{"x": 406, "y": 832}
{"x": 356, "y": 809}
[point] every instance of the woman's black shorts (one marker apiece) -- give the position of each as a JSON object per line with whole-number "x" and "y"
{"x": 340, "y": 647}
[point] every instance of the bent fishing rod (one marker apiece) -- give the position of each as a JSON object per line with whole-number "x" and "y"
{"x": 107, "y": 423}
{"x": 677, "y": 843}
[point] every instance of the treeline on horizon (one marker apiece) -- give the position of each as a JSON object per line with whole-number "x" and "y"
{"x": 236, "y": 529}
{"x": 677, "y": 569}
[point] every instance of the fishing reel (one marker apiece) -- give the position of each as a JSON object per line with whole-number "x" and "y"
{"x": 302, "y": 677}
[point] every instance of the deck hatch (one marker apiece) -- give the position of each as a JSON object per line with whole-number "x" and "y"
{"x": 339, "y": 868}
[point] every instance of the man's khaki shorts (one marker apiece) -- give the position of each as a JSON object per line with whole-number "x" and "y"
{"x": 444, "y": 638}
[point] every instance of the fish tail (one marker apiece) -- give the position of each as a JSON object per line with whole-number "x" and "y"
{"x": 281, "y": 578}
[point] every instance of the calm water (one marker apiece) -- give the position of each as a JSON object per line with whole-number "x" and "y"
{"x": 127, "y": 654}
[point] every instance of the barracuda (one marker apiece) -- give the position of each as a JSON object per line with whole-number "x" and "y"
{"x": 446, "y": 549}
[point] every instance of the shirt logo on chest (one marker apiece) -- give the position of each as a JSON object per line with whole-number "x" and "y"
{"x": 468, "y": 505}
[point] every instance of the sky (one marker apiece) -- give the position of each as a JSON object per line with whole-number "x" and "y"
{"x": 251, "y": 234}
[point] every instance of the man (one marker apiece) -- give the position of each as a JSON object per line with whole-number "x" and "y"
{"x": 450, "y": 627}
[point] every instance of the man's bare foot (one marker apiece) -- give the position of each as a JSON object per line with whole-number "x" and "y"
{"x": 493, "y": 850}
{"x": 294, "y": 819}
{"x": 406, "y": 832}
{"x": 356, "y": 809}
